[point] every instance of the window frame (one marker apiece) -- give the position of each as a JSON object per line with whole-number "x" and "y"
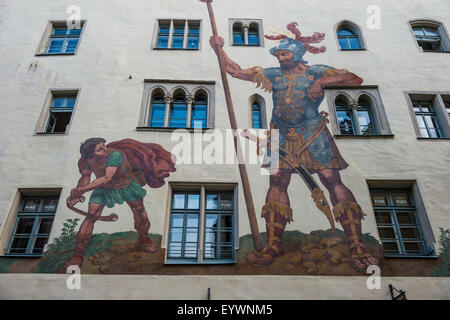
{"x": 170, "y": 88}
{"x": 262, "y": 103}
{"x": 46, "y": 37}
{"x": 352, "y": 95}
{"x": 429, "y": 23}
{"x": 186, "y": 33}
{"x": 202, "y": 189}
{"x": 44, "y": 117}
{"x": 437, "y": 99}
{"x": 33, "y": 235}
{"x": 245, "y": 23}
{"x": 356, "y": 29}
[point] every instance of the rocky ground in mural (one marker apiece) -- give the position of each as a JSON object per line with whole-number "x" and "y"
{"x": 317, "y": 253}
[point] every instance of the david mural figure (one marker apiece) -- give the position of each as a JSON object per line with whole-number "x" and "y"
{"x": 121, "y": 169}
{"x": 298, "y": 90}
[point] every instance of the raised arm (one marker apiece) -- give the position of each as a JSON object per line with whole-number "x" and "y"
{"x": 230, "y": 66}
{"x": 333, "y": 77}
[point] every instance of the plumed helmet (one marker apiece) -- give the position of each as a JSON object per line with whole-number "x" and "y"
{"x": 299, "y": 45}
{"x": 289, "y": 44}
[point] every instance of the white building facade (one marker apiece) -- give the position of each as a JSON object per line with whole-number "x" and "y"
{"x": 143, "y": 70}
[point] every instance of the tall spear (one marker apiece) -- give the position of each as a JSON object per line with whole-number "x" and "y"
{"x": 242, "y": 168}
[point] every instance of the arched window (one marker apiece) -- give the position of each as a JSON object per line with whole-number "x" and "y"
{"x": 365, "y": 116}
{"x": 158, "y": 109}
{"x": 430, "y": 36}
{"x": 349, "y": 38}
{"x": 238, "y": 35}
{"x": 256, "y": 115}
{"x": 344, "y": 116}
{"x": 253, "y": 35}
{"x": 178, "y": 110}
{"x": 199, "y": 110}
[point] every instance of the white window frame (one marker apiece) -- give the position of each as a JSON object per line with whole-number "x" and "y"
{"x": 203, "y": 188}
{"x": 172, "y": 23}
{"x": 169, "y": 87}
{"x": 353, "y": 93}
{"x": 51, "y": 24}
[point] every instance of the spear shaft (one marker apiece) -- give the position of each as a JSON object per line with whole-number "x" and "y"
{"x": 242, "y": 168}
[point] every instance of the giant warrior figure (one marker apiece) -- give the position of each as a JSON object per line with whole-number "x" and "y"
{"x": 298, "y": 90}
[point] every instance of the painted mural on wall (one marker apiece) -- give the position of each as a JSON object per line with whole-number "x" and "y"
{"x": 121, "y": 169}
{"x": 306, "y": 150}
{"x": 305, "y": 144}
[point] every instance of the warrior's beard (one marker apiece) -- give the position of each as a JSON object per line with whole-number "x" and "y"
{"x": 288, "y": 65}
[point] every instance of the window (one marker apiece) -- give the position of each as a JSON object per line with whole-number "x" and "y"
{"x": 33, "y": 225}
{"x": 257, "y": 114}
{"x": 175, "y": 105}
{"x": 398, "y": 223}
{"x": 430, "y": 36}
{"x": 246, "y": 32}
{"x": 58, "y": 112}
{"x": 430, "y": 112}
{"x": 349, "y": 36}
{"x": 178, "y": 34}
{"x": 359, "y": 112}
{"x": 59, "y": 39}
{"x": 426, "y": 119}
{"x": 201, "y": 227}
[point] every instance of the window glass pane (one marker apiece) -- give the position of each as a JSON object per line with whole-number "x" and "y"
{"x": 193, "y": 201}
{"x": 192, "y": 42}
{"x": 226, "y": 221}
{"x": 199, "y": 115}
{"x": 253, "y": 39}
{"x": 177, "y": 220}
{"x": 226, "y": 236}
{"x": 383, "y": 217}
{"x": 400, "y": 199}
{"x": 192, "y": 221}
{"x": 176, "y": 235}
{"x": 345, "y": 32}
{"x": 390, "y": 247}
{"x": 164, "y": 28}
{"x": 431, "y": 121}
{"x": 344, "y": 43}
{"x": 19, "y": 245}
{"x": 178, "y": 201}
{"x": 420, "y": 122}
{"x": 163, "y": 42}
{"x": 211, "y": 201}
{"x": 191, "y": 235}
{"x": 39, "y": 244}
{"x": 386, "y": 233}
{"x": 226, "y": 201}
{"x": 31, "y": 205}
{"x": 177, "y": 42}
{"x": 25, "y": 225}
{"x": 379, "y": 199}
{"x": 424, "y": 133}
{"x": 406, "y": 217}
{"x": 238, "y": 38}
{"x": 174, "y": 250}
{"x": 158, "y": 115}
{"x": 45, "y": 225}
{"x": 59, "y": 31}
{"x": 365, "y": 121}
{"x": 211, "y": 221}
{"x": 431, "y": 32}
{"x": 413, "y": 247}
{"x": 410, "y": 233}
{"x": 345, "y": 122}
{"x": 418, "y": 31}
{"x": 190, "y": 250}
{"x": 354, "y": 43}
{"x": 178, "y": 114}
{"x": 50, "y": 205}
{"x": 75, "y": 32}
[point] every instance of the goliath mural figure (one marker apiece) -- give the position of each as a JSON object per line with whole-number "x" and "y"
{"x": 121, "y": 169}
{"x": 297, "y": 90}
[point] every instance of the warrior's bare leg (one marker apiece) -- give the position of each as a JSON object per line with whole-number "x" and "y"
{"x": 84, "y": 234}
{"x": 349, "y": 214}
{"x": 142, "y": 225}
{"x": 277, "y": 213}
